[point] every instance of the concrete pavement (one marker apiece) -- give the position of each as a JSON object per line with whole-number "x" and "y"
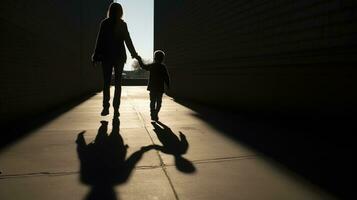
{"x": 191, "y": 159}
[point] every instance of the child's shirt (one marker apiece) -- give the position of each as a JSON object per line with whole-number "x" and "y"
{"x": 158, "y": 76}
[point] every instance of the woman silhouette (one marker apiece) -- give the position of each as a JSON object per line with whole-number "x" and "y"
{"x": 110, "y": 51}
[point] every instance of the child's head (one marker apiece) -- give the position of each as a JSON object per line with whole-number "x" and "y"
{"x": 159, "y": 56}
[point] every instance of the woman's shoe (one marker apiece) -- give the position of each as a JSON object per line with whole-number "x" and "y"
{"x": 105, "y": 112}
{"x": 156, "y": 117}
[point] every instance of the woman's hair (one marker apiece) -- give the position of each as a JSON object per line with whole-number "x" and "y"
{"x": 115, "y": 11}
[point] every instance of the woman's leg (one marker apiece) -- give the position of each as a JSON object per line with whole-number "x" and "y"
{"x": 118, "y": 69}
{"x": 107, "y": 75}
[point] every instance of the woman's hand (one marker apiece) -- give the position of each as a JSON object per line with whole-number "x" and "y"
{"x": 96, "y": 58}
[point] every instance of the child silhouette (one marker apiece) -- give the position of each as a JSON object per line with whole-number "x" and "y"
{"x": 158, "y": 77}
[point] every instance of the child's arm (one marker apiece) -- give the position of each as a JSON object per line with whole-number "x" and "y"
{"x": 167, "y": 77}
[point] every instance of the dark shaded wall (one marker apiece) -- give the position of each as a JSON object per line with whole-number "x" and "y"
{"x": 45, "y": 49}
{"x": 260, "y": 54}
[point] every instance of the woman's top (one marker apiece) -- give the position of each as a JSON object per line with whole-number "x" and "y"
{"x": 110, "y": 42}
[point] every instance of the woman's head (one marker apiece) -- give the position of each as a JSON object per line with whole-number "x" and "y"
{"x": 115, "y": 11}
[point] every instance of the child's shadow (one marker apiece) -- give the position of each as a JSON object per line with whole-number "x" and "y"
{"x": 173, "y": 145}
{"x": 103, "y": 162}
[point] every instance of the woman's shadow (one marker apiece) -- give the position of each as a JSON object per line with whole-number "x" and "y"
{"x": 103, "y": 162}
{"x": 173, "y": 145}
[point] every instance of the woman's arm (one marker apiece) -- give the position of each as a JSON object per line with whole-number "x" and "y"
{"x": 98, "y": 51}
{"x": 129, "y": 42}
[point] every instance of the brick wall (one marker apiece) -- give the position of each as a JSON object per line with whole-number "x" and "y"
{"x": 260, "y": 53}
{"x": 45, "y": 49}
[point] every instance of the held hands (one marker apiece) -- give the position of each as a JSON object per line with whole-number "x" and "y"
{"x": 137, "y": 57}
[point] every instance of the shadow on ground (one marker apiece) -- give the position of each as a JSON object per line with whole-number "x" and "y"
{"x": 317, "y": 146}
{"x": 103, "y": 162}
{"x": 174, "y": 146}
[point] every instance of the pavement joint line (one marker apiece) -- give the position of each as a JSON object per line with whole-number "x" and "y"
{"x": 214, "y": 160}
{"x": 158, "y": 154}
{"x": 36, "y": 174}
{"x": 163, "y": 166}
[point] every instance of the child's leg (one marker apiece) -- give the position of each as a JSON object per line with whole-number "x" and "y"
{"x": 158, "y": 105}
{"x": 158, "y": 101}
{"x": 152, "y": 103}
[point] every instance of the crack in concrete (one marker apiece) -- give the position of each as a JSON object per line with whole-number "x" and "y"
{"x": 162, "y": 165}
{"x": 37, "y": 174}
